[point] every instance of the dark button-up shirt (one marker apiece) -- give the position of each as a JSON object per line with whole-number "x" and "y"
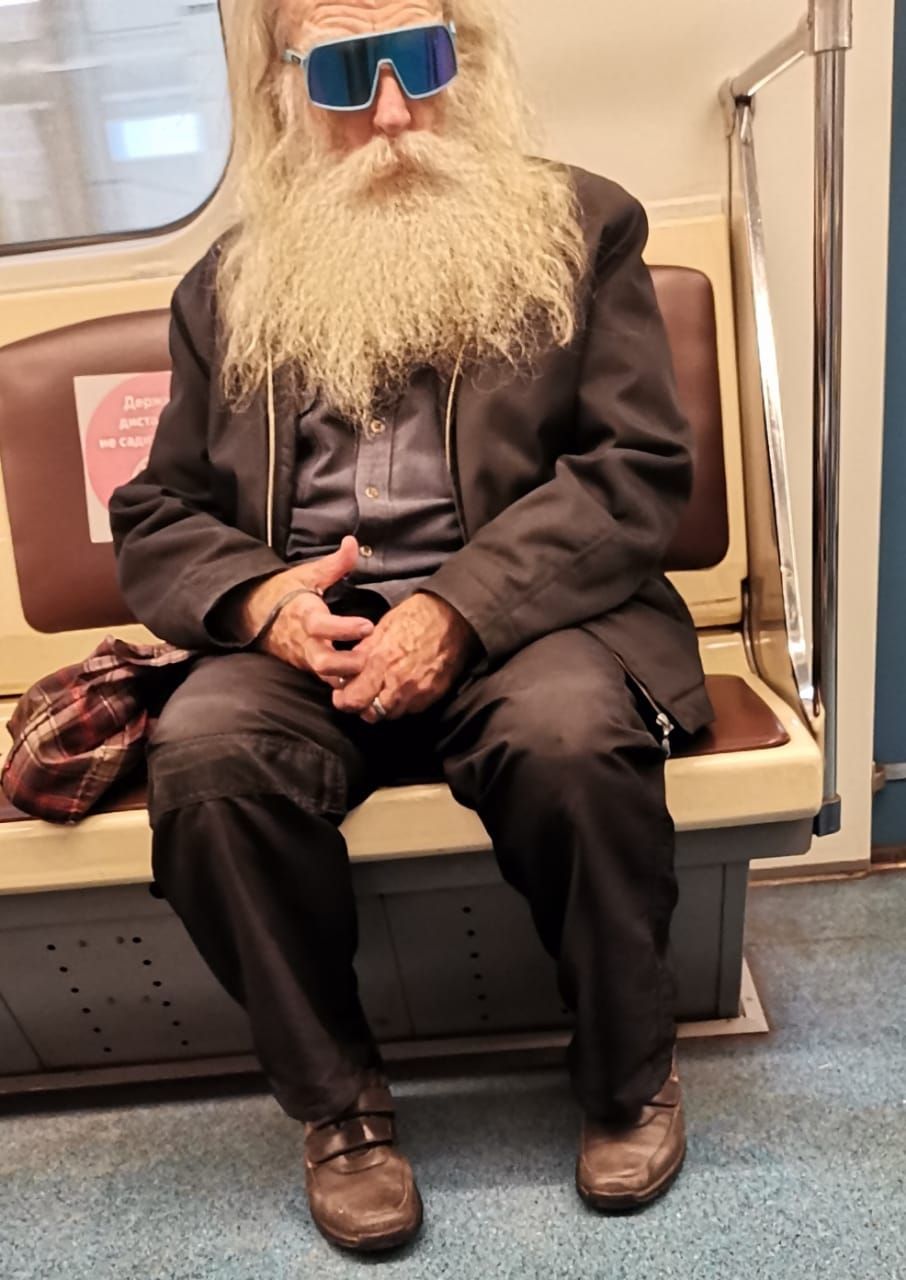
{"x": 388, "y": 485}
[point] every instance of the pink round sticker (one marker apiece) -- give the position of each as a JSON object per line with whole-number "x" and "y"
{"x": 119, "y": 435}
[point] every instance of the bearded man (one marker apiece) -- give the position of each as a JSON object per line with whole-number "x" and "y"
{"x": 412, "y": 495}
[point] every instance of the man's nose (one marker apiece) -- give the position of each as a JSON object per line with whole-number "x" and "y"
{"x": 391, "y": 107}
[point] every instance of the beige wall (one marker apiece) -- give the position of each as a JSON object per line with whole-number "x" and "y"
{"x": 631, "y": 91}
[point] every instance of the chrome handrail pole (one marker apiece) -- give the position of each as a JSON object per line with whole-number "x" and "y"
{"x": 830, "y": 100}
{"x": 798, "y": 652}
{"x": 772, "y": 64}
{"x": 825, "y": 34}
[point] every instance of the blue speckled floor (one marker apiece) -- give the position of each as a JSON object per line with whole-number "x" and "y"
{"x": 796, "y": 1167}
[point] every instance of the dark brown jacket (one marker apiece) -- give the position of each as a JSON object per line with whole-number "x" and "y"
{"x": 569, "y": 483}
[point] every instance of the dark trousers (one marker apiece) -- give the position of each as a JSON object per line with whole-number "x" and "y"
{"x": 252, "y": 771}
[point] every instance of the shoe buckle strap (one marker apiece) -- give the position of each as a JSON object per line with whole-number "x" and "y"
{"x": 669, "y": 1096}
{"x": 374, "y": 1100}
{"x": 356, "y": 1133}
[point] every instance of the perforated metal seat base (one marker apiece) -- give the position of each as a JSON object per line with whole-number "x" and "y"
{"x": 102, "y": 977}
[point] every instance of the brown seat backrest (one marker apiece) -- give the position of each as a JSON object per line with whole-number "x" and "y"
{"x": 67, "y": 582}
{"x": 686, "y": 300}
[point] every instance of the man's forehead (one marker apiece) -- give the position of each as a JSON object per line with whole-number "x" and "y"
{"x": 320, "y": 18}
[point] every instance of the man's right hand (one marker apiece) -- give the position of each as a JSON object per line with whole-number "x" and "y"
{"x": 305, "y": 630}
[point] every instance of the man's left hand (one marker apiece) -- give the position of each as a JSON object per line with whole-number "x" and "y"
{"x": 412, "y": 658}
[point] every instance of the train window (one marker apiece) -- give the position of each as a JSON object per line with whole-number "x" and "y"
{"x": 114, "y": 117}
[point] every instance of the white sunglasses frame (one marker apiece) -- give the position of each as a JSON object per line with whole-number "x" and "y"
{"x": 301, "y": 60}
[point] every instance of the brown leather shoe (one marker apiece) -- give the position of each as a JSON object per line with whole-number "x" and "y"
{"x": 361, "y": 1190}
{"x": 624, "y": 1166}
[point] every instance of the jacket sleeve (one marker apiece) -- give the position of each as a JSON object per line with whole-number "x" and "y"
{"x": 582, "y": 544}
{"x": 177, "y": 553}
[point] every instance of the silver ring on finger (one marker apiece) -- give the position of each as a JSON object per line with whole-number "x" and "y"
{"x": 379, "y": 709}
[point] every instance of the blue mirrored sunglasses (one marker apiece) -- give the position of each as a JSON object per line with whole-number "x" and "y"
{"x": 343, "y": 75}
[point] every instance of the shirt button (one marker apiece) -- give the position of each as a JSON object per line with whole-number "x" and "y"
{"x": 372, "y": 492}
{"x": 367, "y": 552}
{"x": 377, "y": 427}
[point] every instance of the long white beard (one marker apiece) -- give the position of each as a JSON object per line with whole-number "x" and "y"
{"x": 352, "y": 270}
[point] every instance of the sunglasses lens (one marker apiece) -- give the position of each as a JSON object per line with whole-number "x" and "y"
{"x": 342, "y": 75}
{"x": 425, "y": 60}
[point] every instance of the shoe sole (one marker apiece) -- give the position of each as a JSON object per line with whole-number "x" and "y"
{"x": 379, "y": 1244}
{"x": 627, "y": 1203}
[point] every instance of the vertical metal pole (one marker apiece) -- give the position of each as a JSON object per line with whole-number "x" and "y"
{"x": 830, "y": 83}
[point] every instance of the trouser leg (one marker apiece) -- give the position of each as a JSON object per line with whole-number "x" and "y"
{"x": 250, "y": 775}
{"x": 264, "y": 891}
{"x": 552, "y": 752}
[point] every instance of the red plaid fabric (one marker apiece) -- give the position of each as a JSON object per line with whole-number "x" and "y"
{"x": 77, "y": 732}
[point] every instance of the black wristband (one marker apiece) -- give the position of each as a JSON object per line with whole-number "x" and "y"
{"x": 278, "y": 609}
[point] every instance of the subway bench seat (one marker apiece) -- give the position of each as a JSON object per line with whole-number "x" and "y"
{"x": 447, "y": 950}
{"x": 430, "y": 899}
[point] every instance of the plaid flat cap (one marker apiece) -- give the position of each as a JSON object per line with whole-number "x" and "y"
{"x": 80, "y": 731}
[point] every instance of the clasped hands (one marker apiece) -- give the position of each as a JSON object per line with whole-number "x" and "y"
{"x": 408, "y": 660}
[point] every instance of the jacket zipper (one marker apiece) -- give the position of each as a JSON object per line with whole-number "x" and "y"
{"x": 271, "y": 455}
{"x": 448, "y": 445}
{"x": 661, "y": 719}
